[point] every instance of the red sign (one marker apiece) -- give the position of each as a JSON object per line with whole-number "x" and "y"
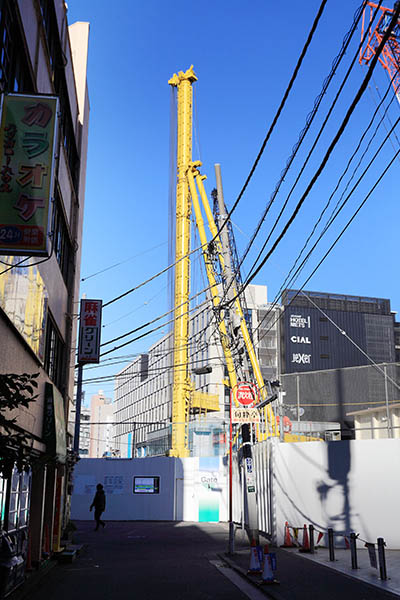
{"x": 246, "y": 393}
{"x": 89, "y": 331}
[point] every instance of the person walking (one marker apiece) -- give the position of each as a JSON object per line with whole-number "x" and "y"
{"x": 99, "y": 504}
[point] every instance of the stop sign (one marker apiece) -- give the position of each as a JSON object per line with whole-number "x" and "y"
{"x": 246, "y": 393}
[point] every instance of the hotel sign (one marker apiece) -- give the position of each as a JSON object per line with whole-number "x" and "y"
{"x": 89, "y": 331}
{"x": 27, "y": 146}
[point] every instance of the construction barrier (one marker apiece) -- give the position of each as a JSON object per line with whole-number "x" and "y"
{"x": 350, "y": 540}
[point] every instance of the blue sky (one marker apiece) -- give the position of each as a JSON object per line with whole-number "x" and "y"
{"x": 244, "y": 56}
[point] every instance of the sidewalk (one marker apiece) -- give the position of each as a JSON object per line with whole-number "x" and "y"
{"x": 305, "y": 576}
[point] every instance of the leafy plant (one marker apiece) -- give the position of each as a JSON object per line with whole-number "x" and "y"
{"x": 16, "y": 390}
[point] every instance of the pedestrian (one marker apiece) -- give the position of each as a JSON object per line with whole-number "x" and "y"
{"x": 99, "y": 504}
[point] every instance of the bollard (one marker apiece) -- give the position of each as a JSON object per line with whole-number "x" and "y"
{"x": 382, "y": 560}
{"x": 353, "y": 550}
{"x": 331, "y": 544}
{"x": 311, "y": 533}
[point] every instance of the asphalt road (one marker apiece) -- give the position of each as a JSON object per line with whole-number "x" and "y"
{"x": 129, "y": 560}
{"x": 183, "y": 561}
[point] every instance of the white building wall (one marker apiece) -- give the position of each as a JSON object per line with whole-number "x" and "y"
{"x": 191, "y": 489}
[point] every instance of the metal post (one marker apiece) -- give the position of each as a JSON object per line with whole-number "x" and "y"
{"x": 231, "y": 548}
{"x": 389, "y": 428}
{"x": 311, "y": 533}
{"x": 382, "y": 560}
{"x": 78, "y": 409}
{"x": 331, "y": 544}
{"x": 134, "y": 440}
{"x": 353, "y": 550}
{"x": 280, "y": 408}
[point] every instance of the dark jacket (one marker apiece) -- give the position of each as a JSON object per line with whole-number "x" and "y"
{"x": 99, "y": 501}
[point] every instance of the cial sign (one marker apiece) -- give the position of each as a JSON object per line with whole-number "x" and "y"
{"x": 245, "y": 393}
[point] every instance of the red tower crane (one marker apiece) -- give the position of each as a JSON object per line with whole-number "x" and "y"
{"x": 390, "y": 56}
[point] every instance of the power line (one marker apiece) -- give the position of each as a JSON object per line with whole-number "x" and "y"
{"x": 309, "y": 120}
{"x": 330, "y": 148}
{"x": 277, "y": 115}
{"x": 335, "y": 212}
{"x": 122, "y": 262}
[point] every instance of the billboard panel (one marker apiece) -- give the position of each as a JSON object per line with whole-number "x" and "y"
{"x": 89, "y": 331}
{"x": 27, "y": 143}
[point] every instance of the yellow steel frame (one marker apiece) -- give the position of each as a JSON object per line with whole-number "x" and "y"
{"x": 181, "y": 384}
{"x": 188, "y": 175}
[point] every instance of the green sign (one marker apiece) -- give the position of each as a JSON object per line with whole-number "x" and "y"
{"x": 27, "y": 141}
{"x": 54, "y": 427}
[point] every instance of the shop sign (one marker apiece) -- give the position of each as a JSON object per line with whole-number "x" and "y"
{"x": 27, "y": 147}
{"x": 54, "y": 429}
{"x": 89, "y": 331}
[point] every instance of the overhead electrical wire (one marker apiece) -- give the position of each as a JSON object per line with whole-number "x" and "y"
{"x": 300, "y": 290}
{"x": 309, "y": 120}
{"x": 277, "y": 115}
{"x": 122, "y": 262}
{"x": 331, "y": 147}
{"x": 302, "y": 134}
{"x": 331, "y": 218}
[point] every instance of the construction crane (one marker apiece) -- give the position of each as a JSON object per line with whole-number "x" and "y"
{"x": 375, "y": 28}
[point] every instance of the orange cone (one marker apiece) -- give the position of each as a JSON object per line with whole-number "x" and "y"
{"x": 346, "y": 541}
{"x": 267, "y": 574}
{"x": 255, "y": 567}
{"x": 305, "y": 547}
{"x": 288, "y": 542}
{"x": 320, "y": 536}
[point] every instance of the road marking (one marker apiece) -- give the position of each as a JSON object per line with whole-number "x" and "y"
{"x": 247, "y": 588}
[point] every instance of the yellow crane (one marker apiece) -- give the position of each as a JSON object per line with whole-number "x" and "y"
{"x": 189, "y": 179}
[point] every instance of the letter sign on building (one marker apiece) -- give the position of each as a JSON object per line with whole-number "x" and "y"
{"x": 89, "y": 331}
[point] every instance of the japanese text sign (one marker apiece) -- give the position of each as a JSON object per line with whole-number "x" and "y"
{"x": 244, "y": 393}
{"x": 245, "y": 415}
{"x": 27, "y": 142}
{"x": 89, "y": 331}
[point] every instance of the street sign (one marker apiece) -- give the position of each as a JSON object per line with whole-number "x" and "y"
{"x": 245, "y": 415}
{"x": 245, "y": 393}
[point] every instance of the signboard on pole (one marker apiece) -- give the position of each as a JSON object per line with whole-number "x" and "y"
{"x": 27, "y": 145}
{"x": 89, "y": 332}
{"x": 245, "y": 394}
{"x": 245, "y": 415}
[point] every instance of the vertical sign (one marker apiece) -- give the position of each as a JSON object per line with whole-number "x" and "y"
{"x": 89, "y": 332}
{"x": 27, "y": 143}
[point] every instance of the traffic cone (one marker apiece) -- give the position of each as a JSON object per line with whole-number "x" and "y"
{"x": 347, "y": 543}
{"x": 255, "y": 567}
{"x": 288, "y": 542}
{"x": 305, "y": 547}
{"x": 267, "y": 574}
{"x": 320, "y": 536}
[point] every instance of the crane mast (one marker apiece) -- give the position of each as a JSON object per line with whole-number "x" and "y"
{"x": 181, "y": 383}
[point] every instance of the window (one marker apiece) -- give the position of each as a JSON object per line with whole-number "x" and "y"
{"x": 324, "y": 356}
{"x": 54, "y": 353}
{"x": 14, "y": 65}
{"x": 324, "y": 338}
{"x": 57, "y": 61}
{"x": 324, "y": 319}
{"x": 62, "y": 245}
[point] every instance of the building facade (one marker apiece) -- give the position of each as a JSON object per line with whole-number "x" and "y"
{"x": 41, "y": 54}
{"x": 143, "y": 389}
{"x": 326, "y": 376}
{"x": 101, "y": 426}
